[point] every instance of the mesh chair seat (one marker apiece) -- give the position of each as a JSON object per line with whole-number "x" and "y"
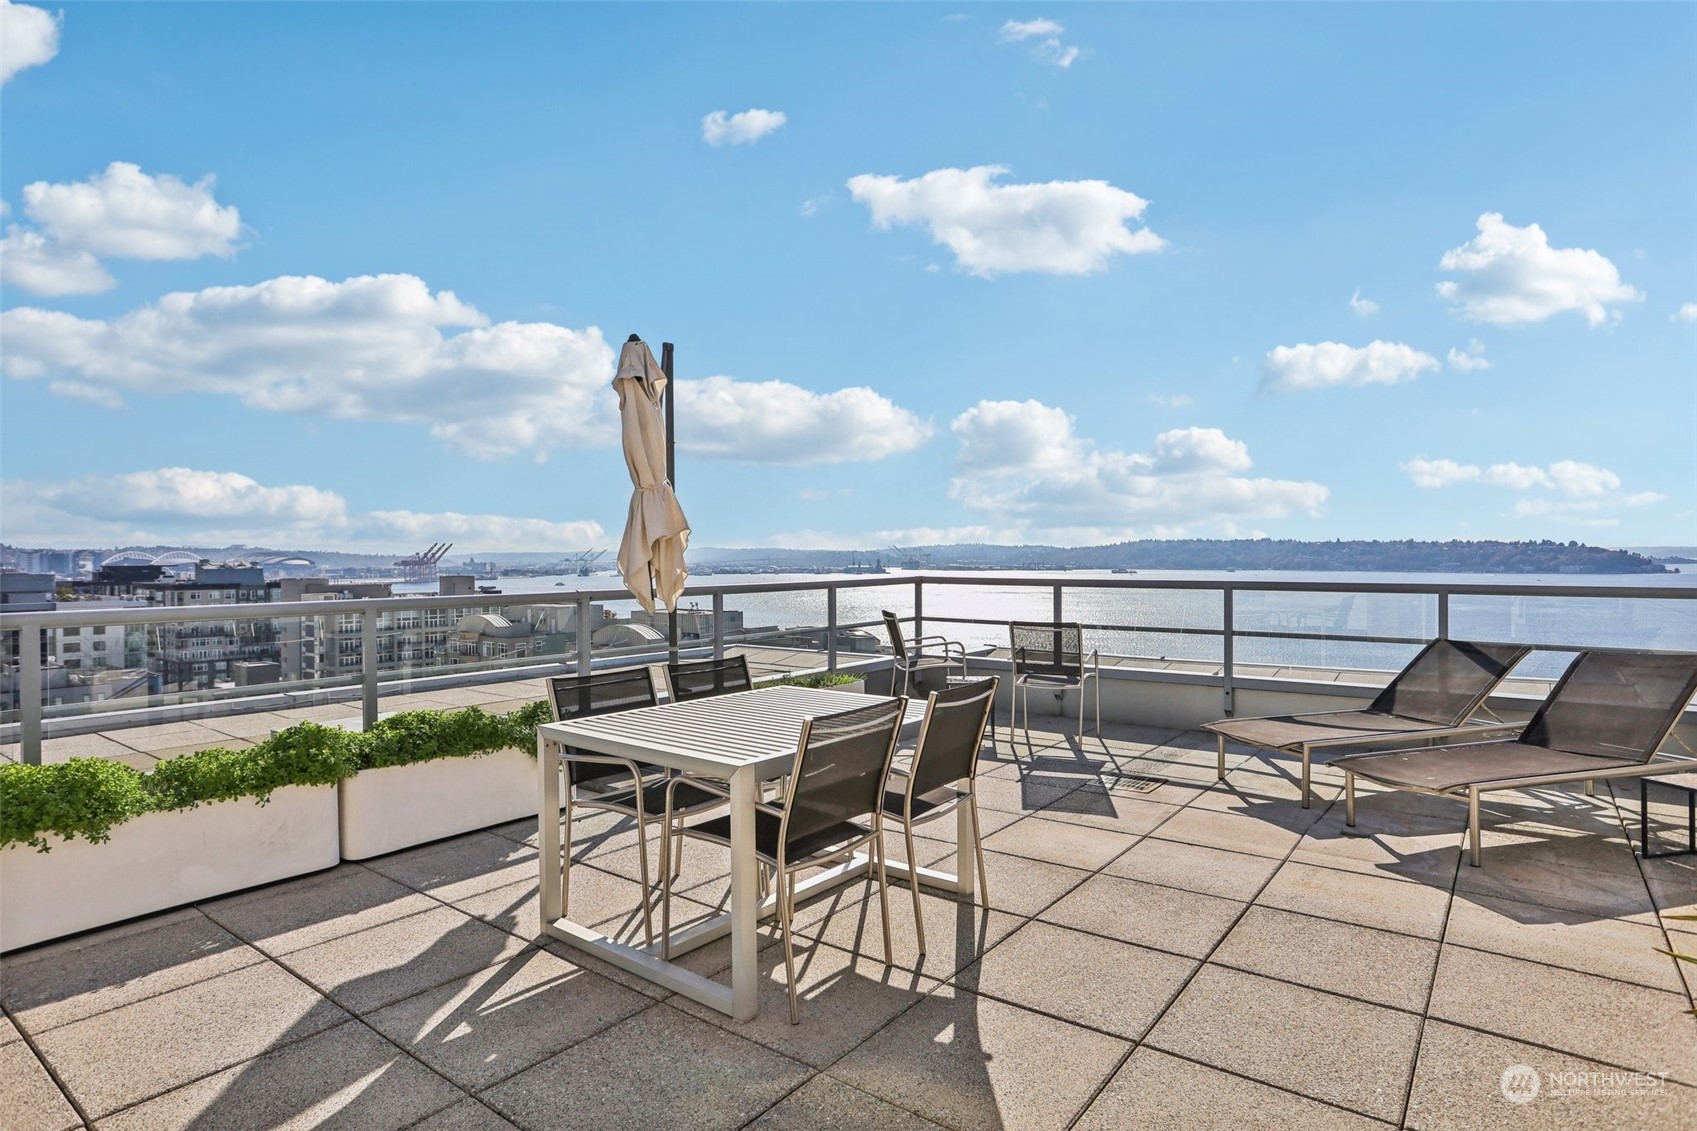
{"x": 1052, "y": 656}
{"x": 686, "y": 798}
{"x": 1291, "y": 732}
{"x": 1443, "y": 768}
{"x": 766, "y": 830}
{"x": 926, "y": 805}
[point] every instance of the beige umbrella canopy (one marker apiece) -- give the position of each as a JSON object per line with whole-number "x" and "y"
{"x": 651, "y": 557}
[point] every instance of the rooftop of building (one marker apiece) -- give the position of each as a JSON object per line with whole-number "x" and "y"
{"x": 1159, "y": 950}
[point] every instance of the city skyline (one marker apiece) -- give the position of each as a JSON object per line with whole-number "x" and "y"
{"x": 355, "y": 276}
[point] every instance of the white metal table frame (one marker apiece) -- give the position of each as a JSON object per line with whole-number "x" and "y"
{"x": 744, "y": 738}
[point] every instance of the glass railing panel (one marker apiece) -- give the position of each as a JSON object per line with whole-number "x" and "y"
{"x": 1574, "y": 622}
{"x": 1155, "y": 625}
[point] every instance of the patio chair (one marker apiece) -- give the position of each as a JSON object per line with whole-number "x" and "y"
{"x": 927, "y": 653}
{"x": 831, "y": 807}
{"x": 1606, "y": 718}
{"x": 616, "y": 785}
{"x": 1435, "y": 696}
{"x": 697, "y": 679}
{"x": 945, "y": 759}
{"x": 1052, "y": 656}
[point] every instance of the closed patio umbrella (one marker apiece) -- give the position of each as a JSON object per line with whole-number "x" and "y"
{"x": 651, "y": 556}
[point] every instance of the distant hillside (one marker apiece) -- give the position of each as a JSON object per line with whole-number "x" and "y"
{"x": 1243, "y": 553}
{"x": 1433, "y": 557}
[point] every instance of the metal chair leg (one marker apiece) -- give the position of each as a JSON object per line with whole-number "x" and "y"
{"x": 786, "y": 913}
{"x": 913, "y": 884}
{"x": 1473, "y": 825}
{"x": 1220, "y": 766}
{"x": 1349, "y": 798}
{"x": 978, "y": 848}
{"x": 884, "y": 897}
{"x": 642, "y": 865}
{"x": 1307, "y": 795}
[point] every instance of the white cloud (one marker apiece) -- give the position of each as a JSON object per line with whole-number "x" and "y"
{"x": 1323, "y": 365}
{"x": 1566, "y": 477}
{"x": 1365, "y": 307}
{"x": 1570, "y": 488}
{"x": 179, "y": 504}
{"x": 102, "y": 395}
{"x": 383, "y": 347}
{"x": 1014, "y": 31}
{"x": 1023, "y": 466}
{"x": 372, "y": 347}
{"x": 1171, "y": 400}
{"x": 124, "y": 212}
{"x": 745, "y": 128}
{"x": 1513, "y": 275}
{"x": 1438, "y": 472}
{"x": 776, "y": 422}
{"x": 1048, "y": 47}
{"x": 1473, "y": 358}
{"x": 30, "y": 260}
{"x": 1687, "y": 312}
{"x": 120, "y": 212}
{"x": 29, "y": 37}
{"x": 1059, "y": 227}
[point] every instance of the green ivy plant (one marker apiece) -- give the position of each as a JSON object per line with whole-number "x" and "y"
{"x": 87, "y": 797}
{"x": 83, "y": 797}
{"x": 818, "y": 679}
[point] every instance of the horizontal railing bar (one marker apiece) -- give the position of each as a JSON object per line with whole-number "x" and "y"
{"x": 402, "y": 603}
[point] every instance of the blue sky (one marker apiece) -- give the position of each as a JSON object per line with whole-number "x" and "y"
{"x": 354, "y": 276}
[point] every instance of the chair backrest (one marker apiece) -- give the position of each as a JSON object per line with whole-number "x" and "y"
{"x": 600, "y": 693}
{"x": 1615, "y": 704}
{"x": 893, "y": 626}
{"x": 951, "y": 736}
{"x": 698, "y": 679}
{"x": 1448, "y": 680}
{"x": 1047, "y": 649}
{"x": 841, "y": 764}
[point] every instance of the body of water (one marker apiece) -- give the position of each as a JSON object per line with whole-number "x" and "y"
{"x": 1138, "y": 616}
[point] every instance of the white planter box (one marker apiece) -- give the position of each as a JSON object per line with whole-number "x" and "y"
{"x": 399, "y": 806}
{"x": 162, "y": 860}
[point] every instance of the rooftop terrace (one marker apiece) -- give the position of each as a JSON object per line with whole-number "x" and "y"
{"x": 1161, "y": 950}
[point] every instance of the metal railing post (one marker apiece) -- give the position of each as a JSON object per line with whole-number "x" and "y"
{"x": 830, "y": 628}
{"x": 585, "y": 632}
{"x": 718, "y": 626}
{"x": 1057, "y": 604}
{"x": 1227, "y": 650}
{"x": 368, "y": 664}
{"x": 918, "y": 608}
{"x": 29, "y": 695}
{"x": 1443, "y": 614}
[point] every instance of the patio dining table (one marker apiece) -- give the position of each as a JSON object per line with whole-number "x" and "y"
{"x": 744, "y": 738}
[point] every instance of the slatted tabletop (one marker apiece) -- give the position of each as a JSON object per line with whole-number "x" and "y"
{"x": 718, "y": 734}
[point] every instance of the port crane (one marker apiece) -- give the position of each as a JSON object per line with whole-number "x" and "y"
{"x": 424, "y": 566}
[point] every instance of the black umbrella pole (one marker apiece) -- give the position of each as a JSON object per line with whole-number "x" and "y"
{"x": 671, "y": 477}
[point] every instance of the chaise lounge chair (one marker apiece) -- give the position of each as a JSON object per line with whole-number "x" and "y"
{"x": 1606, "y": 718}
{"x": 1435, "y": 696}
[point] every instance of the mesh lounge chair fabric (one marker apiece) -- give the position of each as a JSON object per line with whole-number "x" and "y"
{"x": 1433, "y": 697}
{"x": 945, "y": 760}
{"x": 831, "y": 806}
{"x": 617, "y": 785}
{"x": 1052, "y": 656}
{"x": 1605, "y": 718}
{"x": 700, "y": 678}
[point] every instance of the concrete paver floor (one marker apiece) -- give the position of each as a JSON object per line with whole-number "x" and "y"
{"x": 1182, "y": 953}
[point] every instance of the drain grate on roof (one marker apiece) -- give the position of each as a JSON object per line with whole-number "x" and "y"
{"x": 1139, "y": 784}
